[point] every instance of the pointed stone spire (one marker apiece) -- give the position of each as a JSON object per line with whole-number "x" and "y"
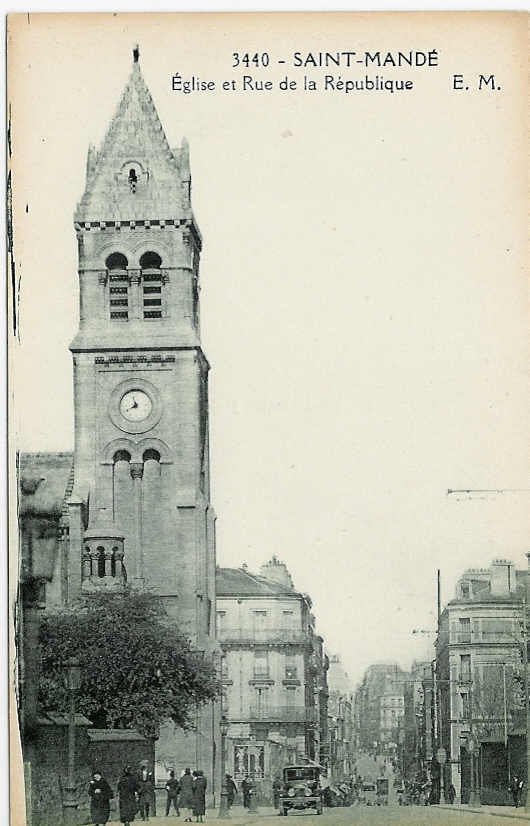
{"x": 135, "y": 140}
{"x": 185, "y": 171}
{"x": 91, "y": 161}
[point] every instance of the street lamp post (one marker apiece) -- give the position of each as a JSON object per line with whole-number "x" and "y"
{"x": 70, "y": 802}
{"x": 473, "y": 747}
{"x": 224, "y": 811}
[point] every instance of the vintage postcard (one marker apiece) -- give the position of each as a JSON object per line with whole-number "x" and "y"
{"x": 268, "y": 389}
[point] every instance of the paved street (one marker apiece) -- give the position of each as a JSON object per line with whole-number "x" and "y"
{"x": 371, "y": 816}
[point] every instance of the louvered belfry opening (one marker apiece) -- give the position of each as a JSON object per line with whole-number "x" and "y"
{"x": 150, "y": 264}
{"x": 116, "y": 265}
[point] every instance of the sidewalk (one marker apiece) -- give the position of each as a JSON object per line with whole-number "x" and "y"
{"x": 498, "y": 811}
{"x": 238, "y": 816}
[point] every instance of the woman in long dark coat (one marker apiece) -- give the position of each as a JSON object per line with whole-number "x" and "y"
{"x": 127, "y": 791}
{"x": 186, "y": 795}
{"x": 100, "y": 794}
{"x": 199, "y": 796}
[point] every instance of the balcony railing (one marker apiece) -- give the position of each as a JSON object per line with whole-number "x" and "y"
{"x": 283, "y": 714}
{"x": 492, "y": 637}
{"x": 253, "y": 635}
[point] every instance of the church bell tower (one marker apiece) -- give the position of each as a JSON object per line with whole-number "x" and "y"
{"x": 140, "y": 511}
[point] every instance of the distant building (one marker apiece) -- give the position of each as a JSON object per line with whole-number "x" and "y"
{"x": 379, "y": 707}
{"x": 340, "y": 721}
{"x": 478, "y": 677}
{"x": 273, "y": 671}
{"x": 392, "y": 709}
{"x": 416, "y": 752}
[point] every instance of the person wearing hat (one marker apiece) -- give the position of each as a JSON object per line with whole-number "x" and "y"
{"x": 172, "y": 789}
{"x": 146, "y": 790}
{"x": 127, "y": 796}
{"x": 100, "y": 795}
{"x": 199, "y": 795}
{"x": 186, "y": 795}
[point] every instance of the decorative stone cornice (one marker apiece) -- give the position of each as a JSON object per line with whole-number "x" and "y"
{"x": 134, "y": 358}
{"x": 148, "y": 223}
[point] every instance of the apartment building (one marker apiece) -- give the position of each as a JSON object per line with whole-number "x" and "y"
{"x": 478, "y": 681}
{"x": 273, "y": 673}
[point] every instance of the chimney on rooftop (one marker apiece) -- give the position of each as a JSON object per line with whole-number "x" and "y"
{"x": 276, "y": 570}
{"x": 502, "y": 577}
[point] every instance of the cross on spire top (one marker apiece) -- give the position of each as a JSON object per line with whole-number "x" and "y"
{"x": 136, "y": 53}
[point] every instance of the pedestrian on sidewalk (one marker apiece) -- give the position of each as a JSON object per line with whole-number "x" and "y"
{"x": 127, "y": 796}
{"x": 172, "y": 789}
{"x": 146, "y": 790}
{"x": 199, "y": 795}
{"x": 516, "y": 788}
{"x": 231, "y": 790}
{"x": 246, "y": 786}
{"x": 186, "y": 795}
{"x": 451, "y": 794}
{"x": 100, "y": 794}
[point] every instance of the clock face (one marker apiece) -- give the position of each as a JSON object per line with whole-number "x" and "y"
{"x": 135, "y": 406}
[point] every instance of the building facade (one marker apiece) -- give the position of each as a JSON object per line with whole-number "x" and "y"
{"x": 478, "y": 680}
{"x": 379, "y": 707}
{"x": 274, "y": 673}
{"x": 340, "y": 722}
{"x": 416, "y": 749}
{"x": 137, "y": 507}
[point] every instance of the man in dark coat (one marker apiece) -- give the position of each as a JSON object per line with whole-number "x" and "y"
{"x": 199, "y": 795}
{"x": 186, "y": 795}
{"x": 246, "y": 787}
{"x": 172, "y": 789}
{"x": 127, "y": 795}
{"x": 516, "y": 788}
{"x": 231, "y": 790}
{"x": 100, "y": 794}
{"x": 146, "y": 790}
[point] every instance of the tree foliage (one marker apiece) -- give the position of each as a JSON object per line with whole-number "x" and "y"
{"x": 138, "y": 669}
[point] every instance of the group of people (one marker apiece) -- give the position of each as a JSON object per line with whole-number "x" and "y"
{"x": 247, "y": 790}
{"x": 136, "y": 795}
{"x": 187, "y": 793}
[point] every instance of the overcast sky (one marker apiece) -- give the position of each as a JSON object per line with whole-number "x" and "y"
{"x": 363, "y": 296}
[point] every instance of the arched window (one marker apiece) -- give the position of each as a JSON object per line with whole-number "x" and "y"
{"x": 151, "y": 454}
{"x": 101, "y": 562}
{"x": 116, "y": 261}
{"x": 150, "y": 262}
{"x": 116, "y": 264}
{"x": 122, "y": 456}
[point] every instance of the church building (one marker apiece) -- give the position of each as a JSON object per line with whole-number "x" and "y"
{"x": 135, "y": 493}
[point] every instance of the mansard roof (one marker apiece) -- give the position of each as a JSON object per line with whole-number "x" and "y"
{"x": 45, "y": 481}
{"x": 232, "y": 582}
{"x": 136, "y": 140}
